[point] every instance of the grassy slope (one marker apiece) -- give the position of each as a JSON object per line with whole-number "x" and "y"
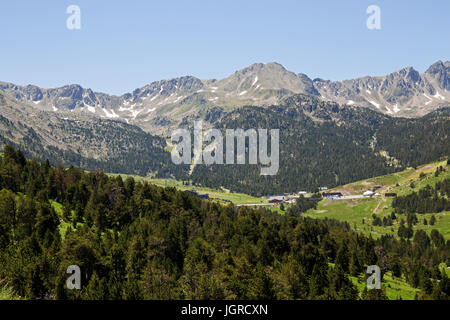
{"x": 63, "y": 226}
{"x": 396, "y": 288}
{"x": 356, "y": 210}
{"x": 237, "y": 198}
{"x": 6, "y": 293}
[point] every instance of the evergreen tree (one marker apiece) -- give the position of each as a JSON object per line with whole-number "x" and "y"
{"x": 342, "y": 257}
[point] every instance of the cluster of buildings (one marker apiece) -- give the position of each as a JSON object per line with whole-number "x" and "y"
{"x": 371, "y": 192}
{"x": 283, "y": 199}
{"x": 276, "y": 199}
{"x": 291, "y": 198}
{"x": 288, "y": 198}
{"x": 332, "y": 195}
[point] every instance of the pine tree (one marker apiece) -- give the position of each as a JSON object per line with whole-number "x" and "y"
{"x": 355, "y": 266}
{"x": 342, "y": 257}
{"x": 97, "y": 288}
{"x": 432, "y": 220}
{"x": 318, "y": 282}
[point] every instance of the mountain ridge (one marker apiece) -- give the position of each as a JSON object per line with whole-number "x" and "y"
{"x": 87, "y": 142}
{"x": 160, "y": 106}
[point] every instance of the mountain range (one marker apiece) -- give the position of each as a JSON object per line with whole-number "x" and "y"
{"x": 377, "y": 124}
{"x": 164, "y": 105}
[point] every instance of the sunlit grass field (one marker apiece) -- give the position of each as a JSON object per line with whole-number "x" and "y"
{"x": 236, "y": 198}
{"x": 358, "y": 212}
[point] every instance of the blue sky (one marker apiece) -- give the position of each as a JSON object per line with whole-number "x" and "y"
{"x": 123, "y": 45}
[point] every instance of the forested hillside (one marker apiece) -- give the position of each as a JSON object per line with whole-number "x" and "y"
{"x": 325, "y": 144}
{"x": 85, "y": 142}
{"x": 427, "y": 200}
{"x": 318, "y": 141}
{"x": 133, "y": 240}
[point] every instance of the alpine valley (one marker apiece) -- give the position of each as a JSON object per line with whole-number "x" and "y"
{"x": 376, "y": 124}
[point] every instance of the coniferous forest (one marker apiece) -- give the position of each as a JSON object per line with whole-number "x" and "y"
{"x": 427, "y": 200}
{"x": 318, "y": 141}
{"x": 133, "y": 240}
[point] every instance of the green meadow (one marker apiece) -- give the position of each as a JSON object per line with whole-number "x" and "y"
{"x": 358, "y": 212}
{"x": 215, "y": 194}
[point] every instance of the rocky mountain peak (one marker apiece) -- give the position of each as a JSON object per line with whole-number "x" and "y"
{"x": 440, "y": 72}
{"x": 269, "y": 67}
{"x": 408, "y": 74}
{"x": 436, "y": 67}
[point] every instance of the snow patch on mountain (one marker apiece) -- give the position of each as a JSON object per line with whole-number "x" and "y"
{"x": 90, "y": 108}
{"x": 439, "y": 96}
{"x": 389, "y": 111}
{"x": 135, "y": 113}
{"x": 121, "y": 109}
{"x": 110, "y": 114}
{"x": 375, "y": 104}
